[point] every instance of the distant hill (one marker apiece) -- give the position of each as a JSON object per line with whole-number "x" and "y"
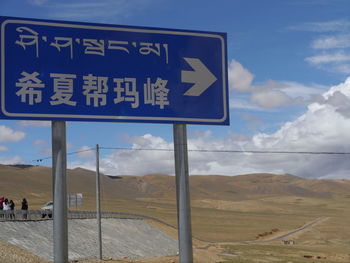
{"x": 34, "y": 183}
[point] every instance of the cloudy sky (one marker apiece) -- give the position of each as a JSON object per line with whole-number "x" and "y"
{"x": 289, "y": 63}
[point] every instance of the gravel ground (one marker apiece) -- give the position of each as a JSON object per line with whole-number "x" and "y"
{"x": 122, "y": 238}
{"x": 12, "y": 254}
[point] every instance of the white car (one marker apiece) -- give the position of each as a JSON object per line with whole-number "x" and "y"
{"x": 47, "y": 209}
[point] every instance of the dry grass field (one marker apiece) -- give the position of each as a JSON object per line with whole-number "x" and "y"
{"x": 226, "y": 211}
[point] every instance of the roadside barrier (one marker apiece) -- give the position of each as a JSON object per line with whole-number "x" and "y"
{"x": 36, "y": 215}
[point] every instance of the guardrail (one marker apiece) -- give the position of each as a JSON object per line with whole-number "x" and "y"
{"x": 36, "y": 215}
{"x": 20, "y": 215}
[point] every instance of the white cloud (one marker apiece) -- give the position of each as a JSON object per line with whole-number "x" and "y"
{"x": 323, "y": 127}
{"x": 136, "y": 162}
{"x": 271, "y": 99}
{"x": 102, "y": 10}
{"x": 39, "y": 143}
{"x": 38, "y": 2}
{"x": 9, "y": 135}
{"x": 3, "y": 148}
{"x": 337, "y": 62}
{"x": 239, "y": 78}
{"x": 343, "y": 68}
{"x": 35, "y": 123}
{"x": 336, "y": 43}
{"x": 69, "y": 145}
{"x": 328, "y": 26}
{"x": 273, "y": 94}
{"x": 43, "y": 146}
{"x": 87, "y": 9}
{"x": 295, "y": 89}
{"x": 243, "y": 103}
{"x": 86, "y": 152}
{"x": 330, "y": 42}
{"x": 267, "y": 95}
{"x": 329, "y": 58}
{"x": 11, "y": 160}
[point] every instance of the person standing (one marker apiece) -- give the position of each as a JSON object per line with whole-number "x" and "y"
{"x": 2, "y": 199}
{"x": 12, "y": 208}
{"x": 6, "y": 207}
{"x": 24, "y": 208}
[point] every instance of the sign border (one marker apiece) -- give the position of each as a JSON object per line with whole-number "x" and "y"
{"x": 107, "y": 117}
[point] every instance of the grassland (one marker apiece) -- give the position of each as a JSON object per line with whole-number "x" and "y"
{"x": 225, "y": 212}
{"x": 227, "y": 228}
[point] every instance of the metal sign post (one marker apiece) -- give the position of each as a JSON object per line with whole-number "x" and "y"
{"x": 59, "y": 163}
{"x": 183, "y": 194}
{"x": 98, "y": 202}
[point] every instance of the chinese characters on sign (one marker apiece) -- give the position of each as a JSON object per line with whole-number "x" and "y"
{"x": 29, "y": 37}
{"x": 95, "y": 90}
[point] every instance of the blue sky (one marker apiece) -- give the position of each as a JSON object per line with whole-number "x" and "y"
{"x": 288, "y": 67}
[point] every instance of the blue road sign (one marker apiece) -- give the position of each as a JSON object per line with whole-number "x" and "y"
{"x": 54, "y": 70}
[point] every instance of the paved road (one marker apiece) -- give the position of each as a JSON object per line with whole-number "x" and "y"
{"x": 308, "y": 225}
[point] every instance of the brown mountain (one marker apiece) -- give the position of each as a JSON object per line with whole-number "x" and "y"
{"x": 34, "y": 182}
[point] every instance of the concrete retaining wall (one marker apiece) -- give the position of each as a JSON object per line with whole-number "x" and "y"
{"x": 121, "y": 238}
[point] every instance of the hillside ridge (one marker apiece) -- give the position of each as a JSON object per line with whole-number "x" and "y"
{"x": 34, "y": 181}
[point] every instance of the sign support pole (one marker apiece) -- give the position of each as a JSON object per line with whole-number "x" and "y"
{"x": 183, "y": 194}
{"x": 98, "y": 202}
{"x": 59, "y": 164}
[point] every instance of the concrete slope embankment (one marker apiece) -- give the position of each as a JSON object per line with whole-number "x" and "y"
{"x": 121, "y": 238}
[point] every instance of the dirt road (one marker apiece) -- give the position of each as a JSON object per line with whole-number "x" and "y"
{"x": 292, "y": 232}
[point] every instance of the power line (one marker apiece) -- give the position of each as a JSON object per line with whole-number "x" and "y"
{"x": 224, "y": 151}
{"x": 70, "y": 153}
{"x": 203, "y": 150}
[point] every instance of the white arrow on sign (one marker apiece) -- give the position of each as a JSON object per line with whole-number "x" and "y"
{"x": 201, "y": 77}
